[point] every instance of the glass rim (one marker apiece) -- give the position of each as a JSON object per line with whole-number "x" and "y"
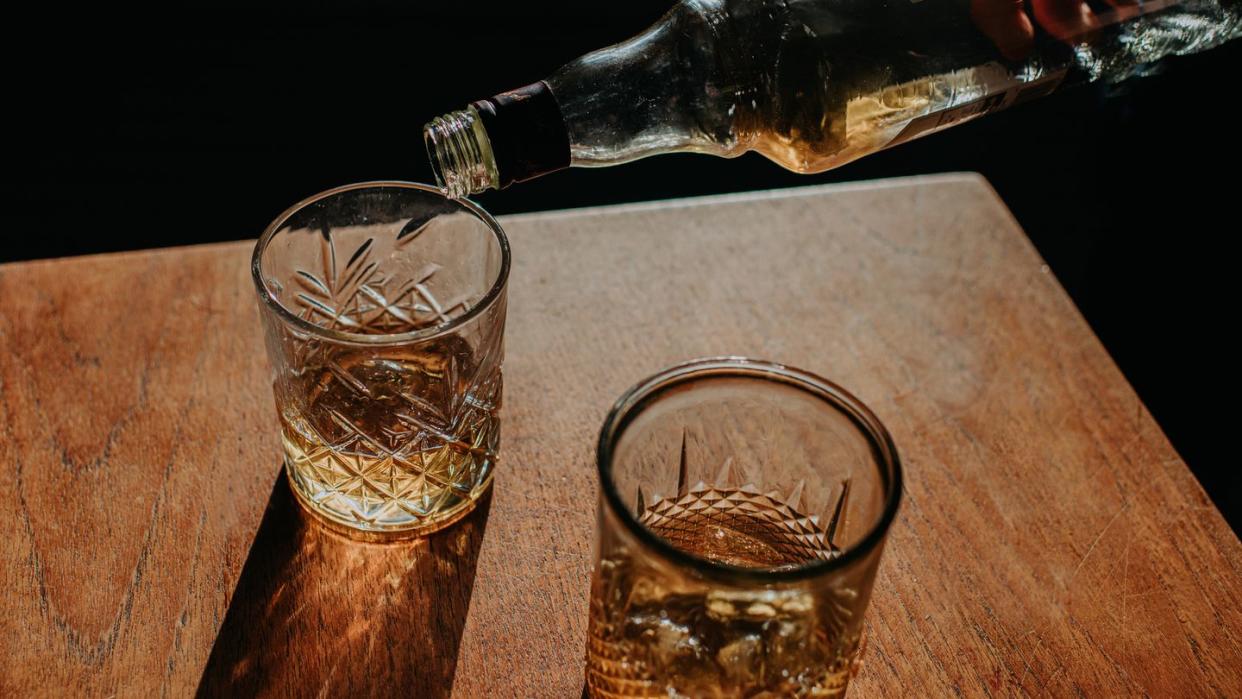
{"x": 638, "y": 397}
{"x": 341, "y": 336}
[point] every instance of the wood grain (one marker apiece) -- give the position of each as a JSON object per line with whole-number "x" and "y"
{"x": 1051, "y": 542}
{"x": 136, "y": 444}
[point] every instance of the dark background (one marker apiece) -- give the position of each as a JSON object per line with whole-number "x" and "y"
{"x": 168, "y": 127}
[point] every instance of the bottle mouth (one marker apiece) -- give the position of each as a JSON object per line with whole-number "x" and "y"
{"x": 460, "y": 154}
{"x": 432, "y": 133}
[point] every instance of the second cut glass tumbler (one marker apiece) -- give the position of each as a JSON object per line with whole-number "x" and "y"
{"x": 743, "y": 509}
{"x": 383, "y": 308}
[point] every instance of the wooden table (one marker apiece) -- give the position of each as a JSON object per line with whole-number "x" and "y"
{"x": 1050, "y": 541}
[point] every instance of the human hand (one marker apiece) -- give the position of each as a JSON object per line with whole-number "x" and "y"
{"x": 1007, "y": 24}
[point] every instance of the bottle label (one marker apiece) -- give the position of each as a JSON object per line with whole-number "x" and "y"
{"x": 1002, "y": 97}
{"x": 526, "y": 132}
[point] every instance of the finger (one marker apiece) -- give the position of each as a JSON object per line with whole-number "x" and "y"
{"x": 1067, "y": 20}
{"x": 1004, "y": 22}
{"x": 1120, "y": 11}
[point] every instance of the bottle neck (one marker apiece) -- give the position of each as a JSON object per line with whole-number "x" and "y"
{"x": 668, "y": 89}
{"x": 461, "y": 153}
{"x": 512, "y": 137}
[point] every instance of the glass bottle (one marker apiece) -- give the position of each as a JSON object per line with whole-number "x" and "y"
{"x": 810, "y": 84}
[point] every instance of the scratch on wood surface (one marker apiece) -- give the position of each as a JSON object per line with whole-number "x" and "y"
{"x": 1048, "y": 683}
{"x": 1022, "y": 656}
{"x": 1125, "y": 580}
{"x": 1095, "y": 542}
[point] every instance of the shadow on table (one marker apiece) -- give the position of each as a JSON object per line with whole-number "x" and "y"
{"x": 315, "y": 612}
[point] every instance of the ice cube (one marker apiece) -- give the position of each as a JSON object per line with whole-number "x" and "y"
{"x": 758, "y": 605}
{"x": 741, "y": 660}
